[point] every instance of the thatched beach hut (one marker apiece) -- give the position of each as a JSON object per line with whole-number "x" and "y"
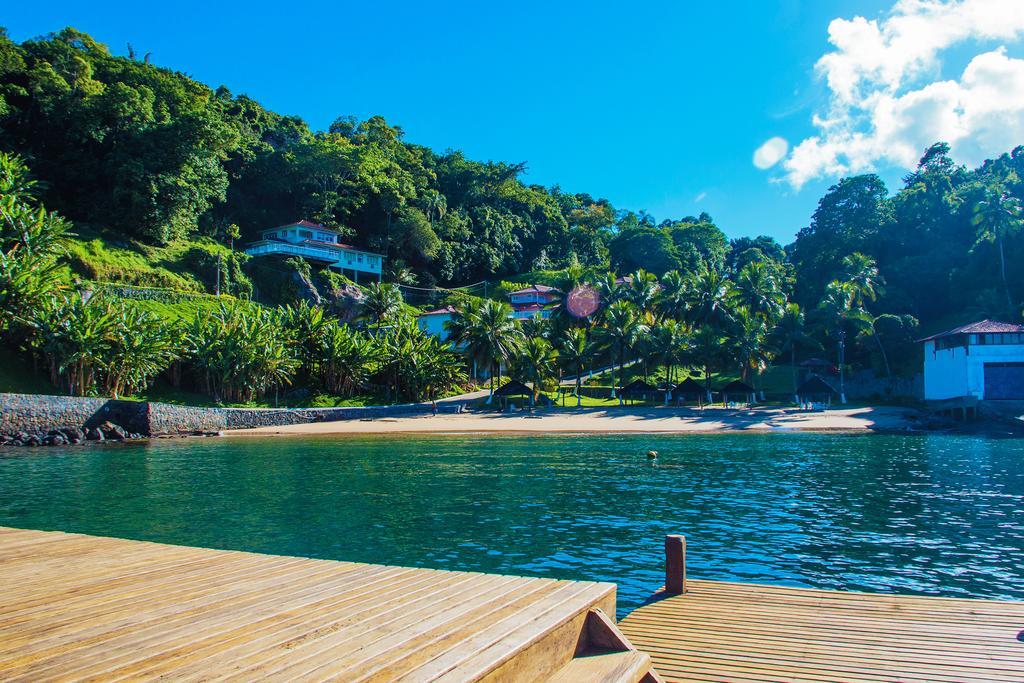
{"x": 738, "y": 388}
{"x": 512, "y": 388}
{"x": 689, "y": 390}
{"x": 638, "y": 390}
{"x": 815, "y": 390}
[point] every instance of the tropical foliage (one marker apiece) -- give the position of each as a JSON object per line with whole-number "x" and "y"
{"x": 156, "y": 168}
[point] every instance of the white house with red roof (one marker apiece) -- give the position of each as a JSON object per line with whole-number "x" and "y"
{"x": 535, "y": 301}
{"x": 984, "y": 360}
{"x": 319, "y": 244}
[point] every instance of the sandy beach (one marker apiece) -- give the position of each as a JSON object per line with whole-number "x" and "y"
{"x": 624, "y": 420}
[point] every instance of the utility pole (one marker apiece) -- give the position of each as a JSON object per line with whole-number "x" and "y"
{"x": 218, "y": 273}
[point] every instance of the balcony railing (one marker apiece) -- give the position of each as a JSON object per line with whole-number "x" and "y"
{"x": 339, "y": 258}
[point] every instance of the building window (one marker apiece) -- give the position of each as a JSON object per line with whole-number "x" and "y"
{"x": 269, "y": 235}
{"x": 306, "y": 233}
{"x": 360, "y": 257}
{"x": 950, "y": 342}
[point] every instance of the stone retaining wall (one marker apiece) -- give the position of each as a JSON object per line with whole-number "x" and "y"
{"x": 38, "y": 413}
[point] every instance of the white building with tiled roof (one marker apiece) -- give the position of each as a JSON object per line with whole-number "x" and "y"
{"x": 319, "y": 244}
{"x": 983, "y": 360}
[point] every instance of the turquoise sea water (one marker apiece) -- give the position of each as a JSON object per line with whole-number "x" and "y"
{"x": 941, "y": 515}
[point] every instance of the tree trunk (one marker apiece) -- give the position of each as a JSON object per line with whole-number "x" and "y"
{"x": 579, "y": 383}
{"x": 618, "y": 381}
{"x": 881, "y": 348}
{"x": 491, "y": 397}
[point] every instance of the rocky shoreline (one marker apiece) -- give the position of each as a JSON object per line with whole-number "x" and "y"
{"x": 41, "y": 420}
{"x": 107, "y": 431}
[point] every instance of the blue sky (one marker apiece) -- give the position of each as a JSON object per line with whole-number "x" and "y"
{"x": 654, "y": 105}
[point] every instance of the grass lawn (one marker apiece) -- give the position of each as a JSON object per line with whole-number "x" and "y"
{"x": 777, "y": 379}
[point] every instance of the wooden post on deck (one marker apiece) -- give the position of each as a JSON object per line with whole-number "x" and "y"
{"x": 675, "y": 564}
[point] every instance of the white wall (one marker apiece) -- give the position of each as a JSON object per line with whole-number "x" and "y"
{"x": 434, "y": 324}
{"x": 945, "y": 372}
{"x": 952, "y": 373}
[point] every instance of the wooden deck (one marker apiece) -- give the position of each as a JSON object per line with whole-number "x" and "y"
{"x": 76, "y": 607}
{"x": 720, "y": 631}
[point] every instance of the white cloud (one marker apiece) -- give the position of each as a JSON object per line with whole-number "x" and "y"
{"x": 770, "y": 153}
{"x": 700, "y": 197}
{"x": 886, "y": 103}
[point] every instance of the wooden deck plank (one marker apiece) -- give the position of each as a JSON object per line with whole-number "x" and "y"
{"x": 747, "y": 632}
{"x": 84, "y": 608}
{"x": 133, "y": 636}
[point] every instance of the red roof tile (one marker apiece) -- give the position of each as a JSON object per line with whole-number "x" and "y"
{"x": 439, "y": 311}
{"x": 307, "y": 224}
{"x": 980, "y": 327}
{"x": 536, "y": 289}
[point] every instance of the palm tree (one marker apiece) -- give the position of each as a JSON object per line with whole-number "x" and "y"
{"x": 575, "y": 353}
{"x": 672, "y": 299}
{"x": 790, "y": 333}
{"x": 841, "y": 309}
{"x": 748, "y": 342}
{"x": 642, "y": 289}
{"x": 861, "y": 273}
{"x": 490, "y": 334}
{"x": 622, "y": 326}
{"x": 675, "y": 343}
{"x": 709, "y": 348}
{"x": 608, "y": 291}
{"x": 536, "y": 363}
{"x": 712, "y": 297}
{"x": 760, "y": 291}
{"x": 381, "y": 301}
{"x": 998, "y": 216}
{"x": 434, "y": 204}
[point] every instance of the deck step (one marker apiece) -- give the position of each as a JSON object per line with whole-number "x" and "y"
{"x": 630, "y": 666}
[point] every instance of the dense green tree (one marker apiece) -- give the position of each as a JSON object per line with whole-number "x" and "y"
{"x": 645, "y": 247}
{"x": 849, "y": 218}
{"x": 31, "y": 242}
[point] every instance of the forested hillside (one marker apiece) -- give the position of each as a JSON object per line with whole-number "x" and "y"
{"x": 117, "y": 173}
{"x": 128, "y": 150}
